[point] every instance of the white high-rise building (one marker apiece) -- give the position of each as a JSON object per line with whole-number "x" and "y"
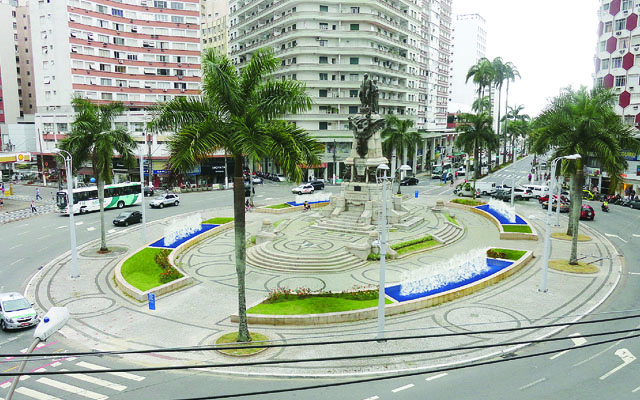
{"x": 138, "y": 52}
{"x": 618, "y": 68}
{"x": 403, "y": 45}
{"x": 469, "y": 46}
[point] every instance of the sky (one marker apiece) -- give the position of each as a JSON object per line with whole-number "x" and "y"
{"x": 551, "y": 42}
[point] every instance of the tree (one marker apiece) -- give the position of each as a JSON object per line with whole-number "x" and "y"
{"x": 583, "y": 122}
{"x": 499, "y": 76}
{"x": 93, "y": 139}
{"x": 510, "y": 73}
{"x": 518, "y": 126}
{"x": 239, "y": 113}
{"x": 397, "y": 135}
{"x": 483, "y": 74}
{"x": 475, "y": 129}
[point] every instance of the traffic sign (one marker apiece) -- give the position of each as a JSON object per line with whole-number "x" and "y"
{"x": 152, "y": 301}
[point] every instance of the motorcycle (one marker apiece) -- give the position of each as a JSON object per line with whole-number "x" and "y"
{"x": 604, "y": 207}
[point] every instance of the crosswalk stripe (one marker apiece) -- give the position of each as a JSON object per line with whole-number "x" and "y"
{"x": 72, "y": 389}
{"x": 124, "y": 375}
{"x": 35, "y": 394}
{"x": 96, "y": 381}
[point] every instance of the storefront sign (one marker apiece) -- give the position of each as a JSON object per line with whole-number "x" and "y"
{"x": 193, "y": 171}
{"x": 592, "y": 171}
{"x": 629, "y": 155}
{"x": 637, "y": 170}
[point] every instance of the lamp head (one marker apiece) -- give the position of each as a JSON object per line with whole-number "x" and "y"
{"x": 383, "y": 167}
{"x": 572, "y": 157}
{"x": 405, "y": 167}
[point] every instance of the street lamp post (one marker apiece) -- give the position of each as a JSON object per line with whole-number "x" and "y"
{"x": 335, "y": 165}
{"x": 558, "y": 205}
{"x": 383, "y": 241}
{"x": 68, "y": 162}
{"x": 144, "y": 216}
{"x": 547, "y": 237}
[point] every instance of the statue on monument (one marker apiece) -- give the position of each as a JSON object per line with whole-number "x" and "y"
{"x": 369, "y": 95}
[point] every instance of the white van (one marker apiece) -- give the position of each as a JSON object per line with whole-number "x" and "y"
{"x": 537, "y": 190}
{"x": 486, "y": 188}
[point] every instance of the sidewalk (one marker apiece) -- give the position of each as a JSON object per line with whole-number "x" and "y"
{"x": 105, "y": 319}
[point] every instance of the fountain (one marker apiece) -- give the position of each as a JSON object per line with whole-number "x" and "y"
{"x": 444, "y": 273}
{"x": 500, "y": 207}
{"x": 182, "y": 228}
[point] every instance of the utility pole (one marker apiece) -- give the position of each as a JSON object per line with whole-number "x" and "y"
{"x": 335, "y": 164}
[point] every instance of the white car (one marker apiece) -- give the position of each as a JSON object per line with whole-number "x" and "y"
{"x": 281, "y": 178}
{"x": 303, "y": 189}
{"x": 16, "y": 312}
{"x": 168, "y": 199}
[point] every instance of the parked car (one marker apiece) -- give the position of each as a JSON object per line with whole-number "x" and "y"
{"x": 168, "y": 199}
{"x": 148, "y": 191}
{"x": 16, "y": 312}
{"x": 128, "y": 217}
{"x": 587, "y": 212}
{"x": 303, "y": 189}
{"x": 317, "y": 185}
{"x": 538, "y": 190}
{"x": 486, "y": 188}
{"x": 522, "y": 194}
{"x": 409, "y": 181}
{"x": 502, "y": 194}
{"x": 564, "y": 207}
{"x": 544, "y": 198}
{"x": 466, "y": 189}
{"x": 280, "y": 178}
{"x": 635, "y": 204}
{"x": 257, "y": 180}
{"x": 460, "y": 171}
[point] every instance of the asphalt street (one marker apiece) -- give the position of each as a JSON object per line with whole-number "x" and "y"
{"x": 602, "y": 371}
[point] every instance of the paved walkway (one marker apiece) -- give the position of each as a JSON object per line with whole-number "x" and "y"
{"x": 104, "y": 319}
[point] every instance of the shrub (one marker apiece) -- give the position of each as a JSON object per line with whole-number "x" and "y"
{"x": 169, "y": 273}
{"x": 468, "y": 202}
{"x": 493, "y": 253}
{"x": 400, "y": 245}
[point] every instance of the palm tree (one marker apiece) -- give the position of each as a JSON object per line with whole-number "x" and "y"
{"x": 475, "y": 129}
{"x": 239, "y": 113}
{"x": 93, "y": 139}
{"x": 583, "y": 122}
{"x": 499, "y": 76}
{"x": 517, "y": 127}
{"x": 510, "y": 73}
{"x": 397, "y": 135}
{"x": 483, "y": 73}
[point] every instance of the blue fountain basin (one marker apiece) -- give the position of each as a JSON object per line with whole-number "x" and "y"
{"x": 294, "y": 204}
{"x": 494, "y": 265}
{"x": 500, "y": 217}
{"x": 203, "y": 228}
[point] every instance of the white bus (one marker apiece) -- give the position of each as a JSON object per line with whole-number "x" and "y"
{"x": 86, "y": 199}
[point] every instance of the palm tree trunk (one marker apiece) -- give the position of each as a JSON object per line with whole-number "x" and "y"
{"x": 576, "y": 205}
{"x": 475, "y": 166}
{"x": 240, "y": 246}
{"x": 103, "y": 230}
{"x": 570, "y": 224}
{"x": 394, "y": 160}
{"x": 513, "y": 148}
{"x": 498, "y": 124}
{"x": 488, "y": 160}
{"x": 504, "y": 130}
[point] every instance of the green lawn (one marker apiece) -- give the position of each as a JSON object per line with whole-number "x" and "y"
{"x": 279, "y": 206}
{"x": 517, "y": 228}
{"x": 312, "y": 305}
{"x": 417, "y": 246}
{"x": 468, "y": 202}
{"x": 451, "y": 219}
{"x": 141, "y": 270}
{"x": 218, "y": 220}
{"x": 511, "y": 254}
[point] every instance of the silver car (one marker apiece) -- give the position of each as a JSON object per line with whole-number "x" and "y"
{"x": 16, "y": 312}
{"x": 168, "y": 199}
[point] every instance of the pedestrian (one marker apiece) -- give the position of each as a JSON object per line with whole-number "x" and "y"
{"x": 529, "y": 178}
{"x": 33, "y": 207}
{"x": 38, "y": 197}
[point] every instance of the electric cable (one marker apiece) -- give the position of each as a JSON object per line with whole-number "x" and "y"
{"x": 323, "y": 343}
{"x": 320, "y": 359}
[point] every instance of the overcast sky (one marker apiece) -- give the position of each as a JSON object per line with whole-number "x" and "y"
{"x": 551, "y": 42}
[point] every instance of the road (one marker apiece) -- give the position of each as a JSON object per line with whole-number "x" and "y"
{"x": 604, "y": 371}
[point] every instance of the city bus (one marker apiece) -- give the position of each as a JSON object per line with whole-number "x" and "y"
{"x": 85, "y": 199}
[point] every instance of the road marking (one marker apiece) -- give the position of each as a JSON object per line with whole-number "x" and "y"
{"x": 43, "y": 237}
{"x": 17, "y": 261}
{"x": 61, "y": 227}
{"x": 124, "y": 375}
{"x": 634, "y": 273}
{"x": 627, "y": 358}
{"x": 35, "y": 394}
{"x": 401, "y": 388}
{"x": 615, "y": 236}
{"x": 372, "y": 398}
{"x": 111, "y": 230}
{"x": 79, "y": 223}
{"x": 635, "y": 235}
{"x": 577, "y": 341}
{"x": 532, "y": 384}
{"x": 436, "y": 376}
{"x": 14, "y": 247}
{"x": 91, "y": 228}
{"x": 635, "y": 390}
{"x": 72, "y": 389}
{"x": 97, "y": 381}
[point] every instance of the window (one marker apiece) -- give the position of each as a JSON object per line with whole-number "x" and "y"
{"x": 163, "y": 71}
{"x": 102, "y": 9}
{"x": 626, "y": 4}
{"x": 354, "y": 60}
{"x": 354, "y": 77}
{"x": 322, "y": 125}
{"x": 178, "y": 19}
{"x": 106, "y": 96}
{"x": 322, "y": 93}
{"x": 324, "y": 43}
{"x": 323, "y": 60}
{"x": 324, "y": 25}
{"x": 177, "y": 5}
{"x": 162, "y": 17}
{"x": 105, "y": 81}
{"x": 608, "y": 26}
{"x": 355, "y": 10}
{"x": 604, "y": 64}
{"x": 353, "y": 109}
{"x": 353, "y": 93}
{"x": 623, "y": 43}
{"x": 620, "y": 23}
{"x": 621, "y": 80}
{"x": 132, "y": 57}
{"x": 324, "y": 76}
{"x": 118, "y": 27}
{"x": 160, "y": 4}
{"x": 354, "y": 27}
{"x": 120, "y": 68}
{"x": 119, "y": 41}
{"x": 617, "y": 62}
{"x": 602, "y": 46}
{"x": 324, "y": 8}
{"x": 116, "y": 12}
{"x": 105, "y": 67}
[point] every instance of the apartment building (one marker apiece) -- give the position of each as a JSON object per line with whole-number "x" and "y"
{"x": 213, "y": 17}
{"x": 617, "y": 65}
{"x": 138, "y": 52}
{"x": 469, "y": 46}
{"x": 403, "y": 45}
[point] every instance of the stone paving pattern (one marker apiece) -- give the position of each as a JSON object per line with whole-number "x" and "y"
{"x": 104, "y": 319}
